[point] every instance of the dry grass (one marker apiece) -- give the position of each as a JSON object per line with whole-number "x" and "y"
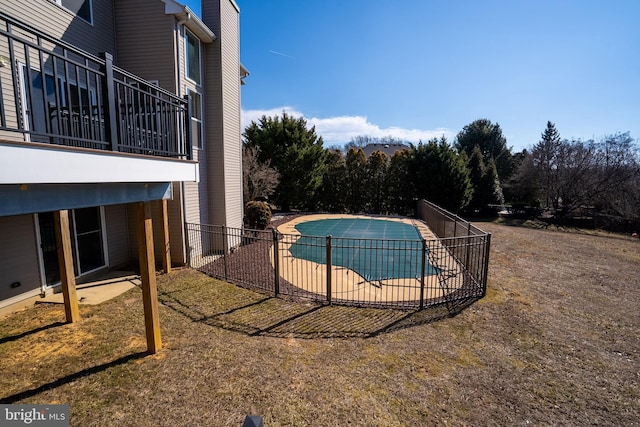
{"x": 555, "y": 341}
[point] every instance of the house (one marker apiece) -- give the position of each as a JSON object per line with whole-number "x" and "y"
{"x": 388, "y": 149}
{"x": 122, "y": 118}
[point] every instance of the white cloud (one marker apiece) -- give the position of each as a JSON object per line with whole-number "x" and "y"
{"x": 337, "y": 131}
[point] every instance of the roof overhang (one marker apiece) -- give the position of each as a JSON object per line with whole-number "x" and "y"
{"x": 243, "y": 73}
{"x": 190, "y": 19}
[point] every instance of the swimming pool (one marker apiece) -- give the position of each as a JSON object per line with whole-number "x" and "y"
{"x": 375, "y": 249}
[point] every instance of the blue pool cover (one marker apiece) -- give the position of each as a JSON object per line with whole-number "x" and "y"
{"x": 375, "y": 249}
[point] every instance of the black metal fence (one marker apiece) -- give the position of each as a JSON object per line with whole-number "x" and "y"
{"x": 52, "y": 92}
{"x": 406, "y": 274}
{"x": 468, "y": 244}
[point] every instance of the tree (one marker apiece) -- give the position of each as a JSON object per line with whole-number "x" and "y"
{"x": 440, "y": 174}
{"x": 331, "y": 194}
{"x": 491, "y": 189}
{"x": 476, "y": 173}
{"x": 486, "y": 184}
{"x": 545, "y": 158}
{"x": 355, "y": 189}
{"x": 575, "y": 174}
{"x": 376, "y": 177}
{"x": 400, "y": 185}
{"x": 295, "y": 151}
{"x": 489, "y": 139}
{"x": 259, "y": 179}
{"x": 524, "y": 189}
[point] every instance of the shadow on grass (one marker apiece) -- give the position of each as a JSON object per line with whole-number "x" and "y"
{"x": 30, "y": 332}
{"x": 274, "y": 317}
{"x": 70, "y": 378}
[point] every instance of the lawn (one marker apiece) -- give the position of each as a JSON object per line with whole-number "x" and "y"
{"x": 555, "y": 341}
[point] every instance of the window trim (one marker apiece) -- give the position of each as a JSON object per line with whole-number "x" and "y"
{"x": 199, "y": 120}
{"x": 189, "y": 34}
{"x": 90, "y": 21}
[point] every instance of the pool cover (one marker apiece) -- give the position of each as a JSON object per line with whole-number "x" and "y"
{"x": 375, "y": 249}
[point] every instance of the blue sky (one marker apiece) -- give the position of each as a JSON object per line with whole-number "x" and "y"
{"x": 424, "y": 68}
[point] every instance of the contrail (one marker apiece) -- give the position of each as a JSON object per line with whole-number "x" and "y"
{"x": 280, "y": 53}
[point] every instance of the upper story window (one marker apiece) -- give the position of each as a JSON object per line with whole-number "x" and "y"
{"x": 196, "y": 118}
{"x": 193, "y": 57}
{"x": 81, "y": 8}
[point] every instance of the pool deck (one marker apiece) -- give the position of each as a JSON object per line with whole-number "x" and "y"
{"x": 348, "y": 285}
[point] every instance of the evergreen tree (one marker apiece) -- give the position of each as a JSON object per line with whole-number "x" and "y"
{"x": 376, "y": 177}
{"x": 331, "y": 194}
{"x": 295, "y": 151}
{"x": 546, "y": 161}
{"x": 355, "y": 186}
{"x": 400, "y": 185}
{"x": 476, "y": 173}
{"x": 440, "y": 175}
{"x": 492, "y": 143}
{"x": 491, "y": 189}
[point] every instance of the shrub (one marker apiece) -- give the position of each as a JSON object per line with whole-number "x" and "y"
{"x": 257, "y": 215}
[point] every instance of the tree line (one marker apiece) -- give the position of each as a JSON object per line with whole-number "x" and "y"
{"x": 285, "y": 162}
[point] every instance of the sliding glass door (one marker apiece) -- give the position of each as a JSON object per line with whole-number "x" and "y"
{"x": 87, "y": 241}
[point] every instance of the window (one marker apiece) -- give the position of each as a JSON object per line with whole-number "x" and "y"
{"x": 196, "y": 118}
{"x": 81, "y": 8}
{"x": 193, "y": 57}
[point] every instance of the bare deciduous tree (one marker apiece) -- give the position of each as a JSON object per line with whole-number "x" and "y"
{"x": 260, "y": 179}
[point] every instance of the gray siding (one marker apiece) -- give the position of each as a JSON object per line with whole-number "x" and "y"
{"x": 18, "y": 256}
{"x": 177, "y": 238}
{"x": 222, "y": 114}
{"x": 62, "y": 24}
{"x": 195, "y": 192}
{"x": 117, "y": 235}
{"x": 146, "y": 40}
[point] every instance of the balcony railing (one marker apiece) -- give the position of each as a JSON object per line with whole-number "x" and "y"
{"x": 51, "y": 92}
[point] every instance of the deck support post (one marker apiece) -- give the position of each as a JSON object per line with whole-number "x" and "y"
{"x": 166, "y": 255}
{"x": 148, "y": 276}
{"x": 65, "y": 261}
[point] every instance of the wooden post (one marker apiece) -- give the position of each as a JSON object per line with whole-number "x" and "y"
{"x": 65, "y": 261}
{"x": 166, "y": 256}
{"x": 148, "y": 276}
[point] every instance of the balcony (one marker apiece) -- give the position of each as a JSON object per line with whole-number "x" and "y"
{"x": 67, "y": 116}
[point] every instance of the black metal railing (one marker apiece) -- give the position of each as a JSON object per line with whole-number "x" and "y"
{"x": 406, "y": 274}
{"x": 51, "y": 92}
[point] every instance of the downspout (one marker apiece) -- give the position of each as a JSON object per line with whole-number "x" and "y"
{"x": 185, "y": 239}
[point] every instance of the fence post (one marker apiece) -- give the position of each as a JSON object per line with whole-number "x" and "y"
{"x": 329, "y": 269}
{"x": 109, "y": 101}
{"x": 187, "y": 233}
{"x": 468, "y": 239}
{"x": 486, "y": 264}
{"x": 225, "y": 250}
{"x": 276, "y": 263}
{"x": 422, "y": 271}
